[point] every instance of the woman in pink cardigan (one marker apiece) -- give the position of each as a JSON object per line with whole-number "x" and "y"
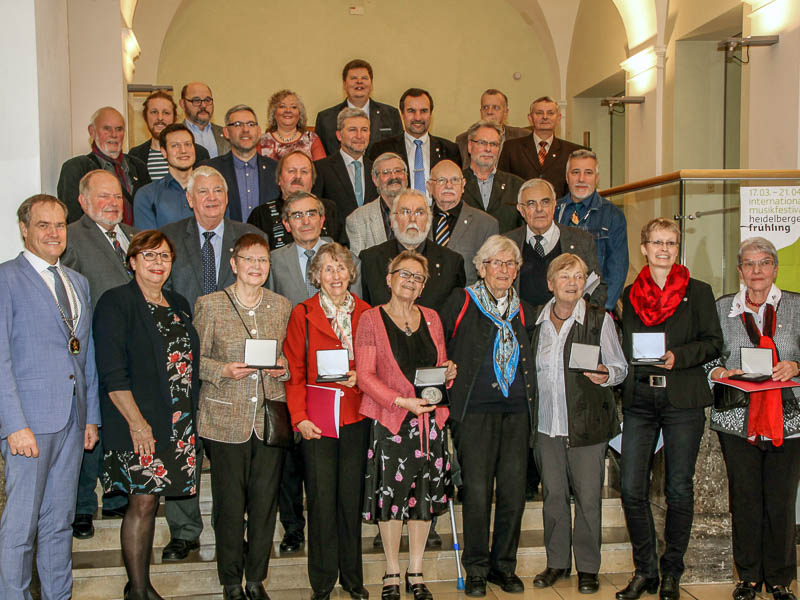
{"x": 408, "y": 469}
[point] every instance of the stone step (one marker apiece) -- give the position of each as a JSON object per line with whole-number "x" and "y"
{"x": 106, "y": 536}
{"x": 100, "y": 575}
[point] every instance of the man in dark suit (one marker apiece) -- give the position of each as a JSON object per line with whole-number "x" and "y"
{"x": 419, "y": 149}
{"x": 49, "y": 408}
{"x": 107, "y": 132}
{"x": 411, "y": 223}
{"x": 457, "y": 225}
{"x": 541, "y": 155}
{"x": 250, "y": 176}
{"x": 159, "y": 111}
{"x": 198, "y": 108}
{"x": 357, "y": 83}
{"x": 344, "y": 176}
{"x": 494, "y": 108}
{"x": 96, "y": 246}
{"x": 486, "y": 187}
{"x": 203, "y": 248}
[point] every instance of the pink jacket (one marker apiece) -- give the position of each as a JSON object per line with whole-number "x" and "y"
{"x": 379, "y": 375}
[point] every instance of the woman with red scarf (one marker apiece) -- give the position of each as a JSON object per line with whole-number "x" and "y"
{"x": 669, "y": 397}
{"x": 760, "y": 432}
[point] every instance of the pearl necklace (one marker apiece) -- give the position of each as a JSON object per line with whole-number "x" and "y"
{"x": 286, "y": 140}
{"x": 245, "y": 306}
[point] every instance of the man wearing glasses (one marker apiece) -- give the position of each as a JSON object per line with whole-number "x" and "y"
{"x": 486, "y": 187}
{"x": 198, "y": 109}
{"x": 411, "y": 220}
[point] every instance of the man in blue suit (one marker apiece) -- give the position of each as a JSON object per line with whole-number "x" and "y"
{"x": 49, "y": 410}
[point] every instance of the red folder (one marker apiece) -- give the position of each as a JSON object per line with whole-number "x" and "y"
{"x": 322, "y": 406}
{"x": 749, "y": 386}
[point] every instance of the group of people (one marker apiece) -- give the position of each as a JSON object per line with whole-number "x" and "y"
{"x": 489, "y": 259}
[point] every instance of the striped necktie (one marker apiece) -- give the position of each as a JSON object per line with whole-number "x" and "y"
{"x": 441, "y": 234}
{"x": 542, "y": 152}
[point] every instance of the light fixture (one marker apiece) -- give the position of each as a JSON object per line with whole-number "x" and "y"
{"x": 612, "y": 101}
{"x": 732, "y": 43}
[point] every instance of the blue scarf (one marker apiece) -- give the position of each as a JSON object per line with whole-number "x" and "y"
{"x": 506, "y": 346}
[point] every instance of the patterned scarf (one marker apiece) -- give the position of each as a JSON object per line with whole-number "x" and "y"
{"x": 651, "y": 303}
{"x": 342, "y": 323}
{"x": 506, "y": 346}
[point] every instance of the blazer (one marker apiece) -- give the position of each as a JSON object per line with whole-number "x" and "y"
{"x": 521, "y": 157}
{"x": 91, "y": 254}
{"x": 187, "y": 271}
{"x": 333, "y": 227}
{"x": 441, "y": 149}
{"x": 142, "y": 152}
{"x": 473, "y": 227}
{"x": 469, "y": 344}
{"x": 573, "y": 241}
{"x": 38, "y": 376}
{"x": 502, "y": 200}
{"x": 379, "y": 375}
{"x": 231, "y": 410}
{"x": 286, "y": 279}
{"x": 267, "y": 185}
{"x": 333, "y": 182}
{"x": 364, "y": 227}
{"x": 384, "y": 121}
{"x": 76, "y": 167}
{"x": 694, "y": 336}
{"x": 309, "y": 330}
{"x": 223, "y": 145}
{"x": 511, "y": 133}
{"x": 131, "y": 357}
{"x": 446, "y": 269}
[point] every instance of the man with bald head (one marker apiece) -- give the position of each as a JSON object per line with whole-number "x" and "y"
{"x": 107, "y": 132}
{"x": 198, "y": 109}
{"x": 456, "y": 225}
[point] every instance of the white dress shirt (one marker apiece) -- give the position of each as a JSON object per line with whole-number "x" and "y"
{"x": 551, "y": 237}
{"x": 351, "y": 172}
{"x": 411, "y": 151}
{"x": 121, "y": 237}
{"x": 537, "y": 140}
{"x": 42, "y": 268}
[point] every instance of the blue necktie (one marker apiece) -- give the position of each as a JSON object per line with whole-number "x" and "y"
{"x": 419, "y": 168}
{"x": 358, "y": 186}
{"x": 61, "y": 293}
{"x": 209, "y": 264}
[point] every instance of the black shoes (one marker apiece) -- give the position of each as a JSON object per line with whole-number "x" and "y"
{"x": 434, "y": 540}
{"x": 390, "y": 591}
{"x": 475, "y": 586}
{"x": 638, "y": 585}
{"x": 233, "y": 592}
{"x": 782, "y": 592}
{"x": 588, "y": 583}
{"x": 508, "y": 582}
{"x": 82, "y": 527}
{"x": 292, "y": 542}
{"x": 357, "y": 593}
{"x": 420, "y": 590}
{"x": 254, "y": 590}
{"x": 178, "y": 549}
{"x": 746, "y": 590}
{"x": 549, "y": 576}
{"x": 321, "y": 595}
{"x": 670, "y": 587}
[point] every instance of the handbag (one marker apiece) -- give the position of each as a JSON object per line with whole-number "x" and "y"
{"x": 277, "y": 425}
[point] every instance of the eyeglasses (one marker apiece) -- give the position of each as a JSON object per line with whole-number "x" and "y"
{"x": 312, "y": 213}
{"x": 499, "y": 264}
{"x": 454, "y": 181}
{"x": 543, "y": 203}
{"x": 764, "y": 263}
{"x": 486, "y": 144}
{"x": 198, "y": 101}
{"x": 407, "y": 212}
{"x": 239, "y": 124}
{"x": 417, "y": 277}
{"x": 261, "y": 261}
{"x": 669, "y": 244}
{"x": 151, "y": 255}
{"x": 395, "y": 171}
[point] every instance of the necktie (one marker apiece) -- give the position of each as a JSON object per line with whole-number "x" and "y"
{"x": 542, "y": 152}
{"x": 112, "y": 235}
{"x": 61, "y": 294}
{"x": 311, "y": 289}
{"x": 357, "y": 185}
{"x": 419, "y": 168}
{"x": 538, "y": 248}
{"x": 574, "y": 219}
{"x": 209, "y": 264}
{"x": 442, "y": 233}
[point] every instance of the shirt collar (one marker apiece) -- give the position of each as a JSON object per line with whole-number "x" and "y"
{"x": 117, "y": 229}
{"x": 365, "y": 108}
{"x": 410, "y": 139}
{"x": 578, "y": 313}
{"x": 38, "y": 263}
{"x": 194, "y": 127}
{"x": 320, "y": 243}
{"x": 218, "y": 230}
{"x": 239, "y": 163}
{"x": 349, "y": 159}
{"x": 548, "y": 235}
{"x": 738, "y": 305}
{"x": 537, "y": 140}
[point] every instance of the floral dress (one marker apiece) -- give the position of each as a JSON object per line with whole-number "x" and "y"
{"x": 408, "y": 474}
{"x": 169, "y": 472}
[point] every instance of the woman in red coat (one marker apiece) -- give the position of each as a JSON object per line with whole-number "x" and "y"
{"x": 334, "y": 467}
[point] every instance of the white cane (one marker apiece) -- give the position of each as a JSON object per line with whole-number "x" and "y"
{"x": 460, "y": 584}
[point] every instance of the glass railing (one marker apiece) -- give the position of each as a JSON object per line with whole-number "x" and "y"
{"x": 706, "y": 204}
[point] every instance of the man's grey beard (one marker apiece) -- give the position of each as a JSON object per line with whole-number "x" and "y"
{"x": 410, "y": 239}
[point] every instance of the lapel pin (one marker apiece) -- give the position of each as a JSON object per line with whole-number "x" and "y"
{"x": 502, "y": 186}
{"x": 465, "y": 221}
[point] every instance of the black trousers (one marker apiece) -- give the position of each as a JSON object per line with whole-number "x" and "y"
{"x": 244, "y": 481}
{"x": 762, "y": 486}
{"x": 492, "y": 449}
{"x": 290, "y": 500}
{"x": 335, "y": 489}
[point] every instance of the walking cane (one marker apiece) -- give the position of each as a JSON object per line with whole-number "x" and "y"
{"x": 460, "y": 584}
